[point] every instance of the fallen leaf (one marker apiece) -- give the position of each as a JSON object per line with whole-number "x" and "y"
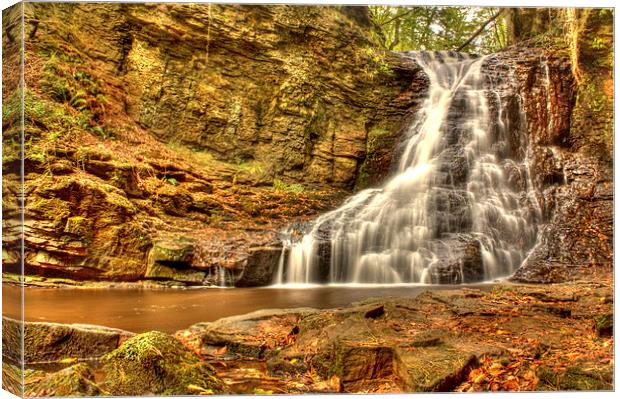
{"x": 480, "y": 379}
{"x": 511, "y": 385}
{"x": 529, "y": 375}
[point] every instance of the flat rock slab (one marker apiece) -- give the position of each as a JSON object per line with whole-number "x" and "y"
{"x": 434, "y": 369}
{"x": 246, "y": 335}
{"x": 53, "y": 342}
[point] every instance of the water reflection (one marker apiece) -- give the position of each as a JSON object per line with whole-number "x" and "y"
{"x": 169, "y": 310}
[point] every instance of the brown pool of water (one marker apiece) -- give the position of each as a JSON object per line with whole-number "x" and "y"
{"x": 169, "y": 310}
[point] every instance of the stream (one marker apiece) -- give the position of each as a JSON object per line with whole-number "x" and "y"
{"x": 169, "y": 310}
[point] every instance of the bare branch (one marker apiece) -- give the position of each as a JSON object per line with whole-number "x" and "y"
{"x": 480, "y": 29}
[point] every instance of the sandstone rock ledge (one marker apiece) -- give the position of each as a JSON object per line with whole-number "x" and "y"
{"x": 510, "y": 337}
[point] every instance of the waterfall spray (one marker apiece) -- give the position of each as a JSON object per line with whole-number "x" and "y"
{"x": 452, "y": 213}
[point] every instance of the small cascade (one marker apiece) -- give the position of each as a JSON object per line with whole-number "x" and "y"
{"x": 458, "y": 209}
{"x": 220, "y": 277}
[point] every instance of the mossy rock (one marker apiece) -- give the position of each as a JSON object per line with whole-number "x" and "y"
{"x": 77, "y": 380}
{"x": 604, "y": 325}
{"x": 173, "y": 251}
{"x": 575, "y": 378}
{"x": 78, "y": 225}
{"x": 434, "y": 368}
{"x": 157, "y": 271}
{"x": 155, "y": 363}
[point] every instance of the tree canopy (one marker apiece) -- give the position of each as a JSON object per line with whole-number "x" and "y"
{"x": 440, "y": 28}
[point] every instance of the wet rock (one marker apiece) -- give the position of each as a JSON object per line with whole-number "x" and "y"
{"x": 569, "y": 165}
{"x": 353, "y": 362}
{"x": 182, "y": 274}
{"x": 336, "y": 344}
{"x": 155, "y": 363}
{"x": 53, "y": 342}
{"x": 260, "y": 267}
{"x": 375, "y": 312}
{"x": 171, "y": 259}
{"x": 459, "y": 261}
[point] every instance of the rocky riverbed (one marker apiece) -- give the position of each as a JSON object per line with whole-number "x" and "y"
{"x": 515, "y": 337}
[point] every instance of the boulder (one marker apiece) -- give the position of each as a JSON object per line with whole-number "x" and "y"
{"x": 260, "y": 267}
{"x": 459, "y": 260}
{"x": 158, "y": 271}
{"x": 155, "y": 363}
{"x": 54, "y": 342}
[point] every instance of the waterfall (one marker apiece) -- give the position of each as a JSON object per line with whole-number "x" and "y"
{"x": 459, "y": 207}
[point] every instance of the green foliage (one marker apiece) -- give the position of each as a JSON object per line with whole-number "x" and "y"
{"x": 253, "y": 167}
{"x": 604, "y": 325}
{"x": 438, "y": 28}
{"x": 279, "y": 185}
{"x": 380, "y": 65}
{"x": 169, "y": 180}
{"x": 118, "y": 178}
{"x": 597, "y": 43}
{"x": 78, "y": 101}
{"x": 373, "y": 144}
{"x": 64, "y": 82}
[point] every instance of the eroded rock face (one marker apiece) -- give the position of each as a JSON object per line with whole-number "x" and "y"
{"x": 574, "y": 182}
{"x": 294, "y": 88}
{"x": 183, "y": 117}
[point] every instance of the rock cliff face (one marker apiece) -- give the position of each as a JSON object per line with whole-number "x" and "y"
{"x": 569, "y": 112}
{"x": 153, "y": 129}
{"x": 176, "y": 144}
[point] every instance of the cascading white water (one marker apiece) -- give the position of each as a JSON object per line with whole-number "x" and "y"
{"x": 449, "y": 214}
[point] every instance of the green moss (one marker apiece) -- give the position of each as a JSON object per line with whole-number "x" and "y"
{"x": 77, "y": 380}
{"x": 64, "y": 81}
{"x": 178, "y": 250}
{"x": 49, "y": 208}
{"x": 157, "y": 364}
{"x": 79, "y": 226}
{"x": 279, "y": 185}
{"x": 374, "y": 141}
{"x": 576, "y": 378}
{"x": 379, "y": 64}
{"x": 604, "y": 325}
